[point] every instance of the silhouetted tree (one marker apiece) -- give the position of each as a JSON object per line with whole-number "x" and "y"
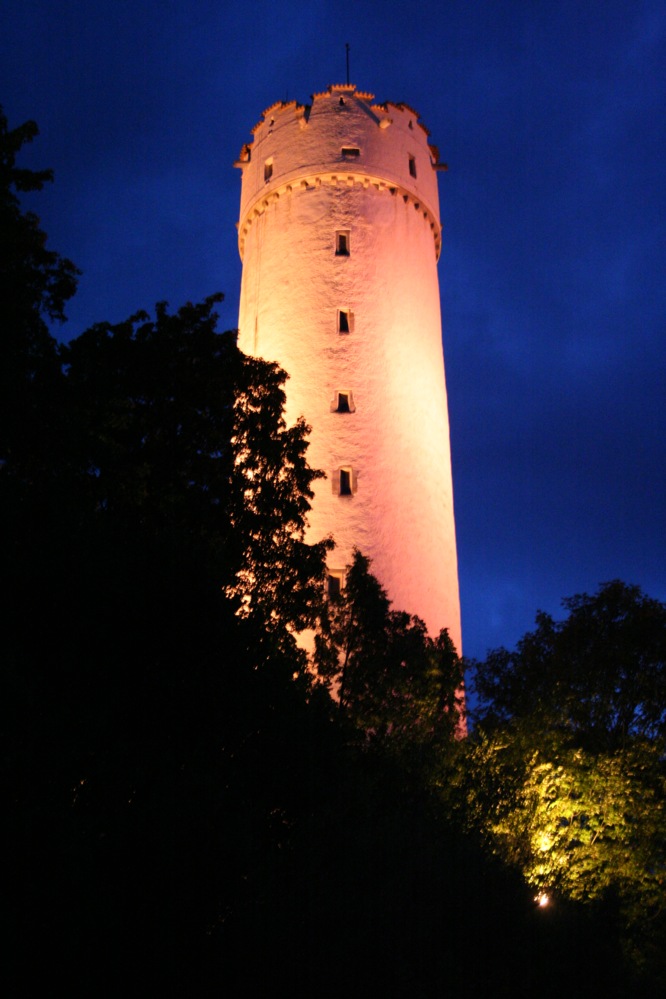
{"x": 157, "y": 746}
{"x": 599, "y": 675}
{"x": 176, "y": 430}
{"x": 393, "y": 682}
{"x": 35, "y": 284}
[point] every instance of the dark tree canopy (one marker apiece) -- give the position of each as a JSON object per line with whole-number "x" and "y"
{"x": 599, "y": 674}
{"x": 183, "y": 433}
{"x": 393, "y": 681}
{"x": 158, "y": 734}
{"x": 35, "y": 284}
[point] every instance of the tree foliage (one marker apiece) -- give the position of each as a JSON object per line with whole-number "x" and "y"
{"x": 600, "y": 674}
{"x": 564, "y": 777}
{"x": 586, "y": 825}
{"x": 183, "y": 433}
{"x": 395, "y": 683}
{"x": 157, "y": 748}
{"x": 35, "y": 284}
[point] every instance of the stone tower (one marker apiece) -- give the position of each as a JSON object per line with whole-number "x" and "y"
{"x": 339, "y": 234}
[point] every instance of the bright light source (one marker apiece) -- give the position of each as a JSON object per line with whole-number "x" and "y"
{"x": 542, "y": 899}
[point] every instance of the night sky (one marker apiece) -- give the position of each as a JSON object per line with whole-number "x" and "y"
{"x": 551, "y": 117}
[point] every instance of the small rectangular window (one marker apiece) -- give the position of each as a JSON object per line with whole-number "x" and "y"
{"x": 344, "y": 321}
{"x": 350, "y": 152}
{"x": 334, "y": 584}
{"x": 343, "y": 402}
{"x": 342, "y": 243}
{"x": 343, "y": 481}
{"x": 412, "y": 166}
{"x": 268, "y": 170}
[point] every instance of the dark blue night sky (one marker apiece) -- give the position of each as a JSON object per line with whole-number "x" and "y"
{"x": 551, "y": 118}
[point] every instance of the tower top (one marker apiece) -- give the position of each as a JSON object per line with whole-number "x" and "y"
{"x": 341, "y": 138}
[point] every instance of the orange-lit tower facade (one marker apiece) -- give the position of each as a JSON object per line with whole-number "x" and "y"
{"x": 339, "y": 234}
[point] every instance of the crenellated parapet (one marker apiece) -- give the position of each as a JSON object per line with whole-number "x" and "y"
{"x": 342, "y": 137}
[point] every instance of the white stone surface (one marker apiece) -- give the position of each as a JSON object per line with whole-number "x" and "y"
{"x": 397, "y": 439}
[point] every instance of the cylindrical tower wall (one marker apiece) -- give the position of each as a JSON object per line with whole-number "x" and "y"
{"x": 310, "y": 178}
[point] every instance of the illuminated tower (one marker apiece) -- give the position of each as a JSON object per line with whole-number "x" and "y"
{"x": 339, "y": 234}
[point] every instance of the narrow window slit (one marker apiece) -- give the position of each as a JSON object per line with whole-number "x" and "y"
{"x": 342, "y": 243}
{"x": 343, "y": 402}
{"x": 344, "y": 321}
{"x": 345, "y": 482}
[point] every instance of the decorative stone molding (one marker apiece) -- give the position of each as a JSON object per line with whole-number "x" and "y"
{"x": 262, "y": 202}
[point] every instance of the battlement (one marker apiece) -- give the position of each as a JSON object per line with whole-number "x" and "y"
{"x": 341, "y": 133}
{"x": 341, "y": 90}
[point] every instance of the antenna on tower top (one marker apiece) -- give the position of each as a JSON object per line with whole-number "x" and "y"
{"x": 347, "y": 48}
